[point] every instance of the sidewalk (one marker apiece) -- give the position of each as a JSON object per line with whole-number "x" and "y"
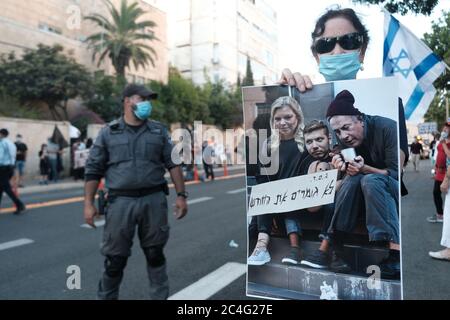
{"x": 33, "y": 186}
{"x": 423, "y": 277}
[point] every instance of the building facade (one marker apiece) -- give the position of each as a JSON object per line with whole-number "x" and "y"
{"x": 213, "y": 38}
{"x": 25, "y": 24}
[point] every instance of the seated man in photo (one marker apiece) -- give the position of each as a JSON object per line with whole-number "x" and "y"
{"x": 371, "y": 182}
{"x": 317, "y": 143}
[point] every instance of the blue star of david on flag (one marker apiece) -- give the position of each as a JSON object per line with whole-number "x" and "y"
{"x": 414, "y": 64}
{"x": 396, "y": 64}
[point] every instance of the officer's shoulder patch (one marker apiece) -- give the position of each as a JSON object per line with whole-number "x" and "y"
{"x": 115, "y": 126}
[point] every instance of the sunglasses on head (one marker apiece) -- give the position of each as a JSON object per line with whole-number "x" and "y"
{"x": 350, "y": 41}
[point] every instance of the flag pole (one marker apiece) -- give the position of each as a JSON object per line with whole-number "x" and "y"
{"x": 446, "y": 65}
{"x": 446, "y": 109}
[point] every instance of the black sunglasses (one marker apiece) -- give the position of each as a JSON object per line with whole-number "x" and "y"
{"x": 350, "y": 41}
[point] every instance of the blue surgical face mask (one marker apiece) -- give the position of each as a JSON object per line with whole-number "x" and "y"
{"x": 339, "y": 67}
{"x": 142, "y": 110}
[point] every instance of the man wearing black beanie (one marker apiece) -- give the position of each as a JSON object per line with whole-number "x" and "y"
{"x": 372, "y": 177}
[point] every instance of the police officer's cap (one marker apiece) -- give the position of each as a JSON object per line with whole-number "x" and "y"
{"x": 140, "y": 90}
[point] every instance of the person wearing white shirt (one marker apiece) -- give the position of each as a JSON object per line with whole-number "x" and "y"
{"x": 7, "y": 162}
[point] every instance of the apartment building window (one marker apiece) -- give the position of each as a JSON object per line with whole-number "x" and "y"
{"x": 216, "y": 77}
{"x": 131, "y": 78}
{"x": 258, "y": 70}
{"x": 267, "y": 10}
{"x": 269, "y": 58}
{"x": 215, "y": 59}
{"x": 242, "y": 63}
{"x": 48, "y": 28}
{"x": 274, "y": 78}
{"x": 140, "y": 80}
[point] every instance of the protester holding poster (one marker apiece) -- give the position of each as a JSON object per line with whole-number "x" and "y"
{"x": 339, "y": 45}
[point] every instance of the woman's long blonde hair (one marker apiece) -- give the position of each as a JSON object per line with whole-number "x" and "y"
{"x": 290, "y": 102}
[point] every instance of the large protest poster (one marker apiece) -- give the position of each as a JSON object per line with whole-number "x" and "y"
{"x": 291, "y": 213}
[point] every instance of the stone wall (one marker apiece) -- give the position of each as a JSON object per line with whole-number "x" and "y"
{"x": 35, "y": 133}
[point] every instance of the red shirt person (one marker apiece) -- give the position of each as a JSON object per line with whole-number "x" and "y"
{"x": 443, "y": 151}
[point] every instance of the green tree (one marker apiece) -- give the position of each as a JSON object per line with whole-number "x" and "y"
{"x": 105, "y": 97}
{"x": 223, "y": 106}
{"x": 438, "y": 41}
{"x": 238, "y": 81}
{"x": 122, "y": 39}
{"x": 238, "y": 115}
{"x": 436, "y": 112}
{"x": 11, "y": 107}
{"x": 248, "y": 79}
{"x": 164, "y": 109}
{"x": 404, "y": 6}
{"x": 179, "y": 101}
{"x": 45, "y": 75}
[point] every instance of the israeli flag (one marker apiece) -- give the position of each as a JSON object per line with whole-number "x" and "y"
{"x": 414, "y": 64}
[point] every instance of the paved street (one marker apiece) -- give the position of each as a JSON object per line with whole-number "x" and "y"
{"x": 37, "y": 247}
{"x": 423, "y": 277}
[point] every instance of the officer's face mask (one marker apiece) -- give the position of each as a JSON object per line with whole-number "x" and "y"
{"x": 444, "y": 135}
{"x": 142, "y": 110}
{"x": 340, "y": 67}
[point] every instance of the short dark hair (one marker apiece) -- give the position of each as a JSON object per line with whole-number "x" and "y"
{"x": 315, "y": 125}
{"x": 4, "y": 132}
{"x": 346, "y": 13}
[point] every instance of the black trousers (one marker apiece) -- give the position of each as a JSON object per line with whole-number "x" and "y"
{"x": 437, "y": 196}
{"x": 208, "y": 170}
{"x": 5, "y": 175}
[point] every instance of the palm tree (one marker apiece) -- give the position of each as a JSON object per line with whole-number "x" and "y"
{"x": 122, "y": 39}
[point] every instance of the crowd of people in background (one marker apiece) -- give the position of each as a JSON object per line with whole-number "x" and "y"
{"x": 50, "y": 157}
{"x": 438, "y": 152}
{"x": 211, "y": 154}
{"x": 51, "y": 165}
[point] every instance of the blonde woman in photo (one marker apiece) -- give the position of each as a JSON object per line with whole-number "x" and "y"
{"x": 286, "y": 140}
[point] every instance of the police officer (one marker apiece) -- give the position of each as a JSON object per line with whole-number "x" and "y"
{"x": 132, "y": 154}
